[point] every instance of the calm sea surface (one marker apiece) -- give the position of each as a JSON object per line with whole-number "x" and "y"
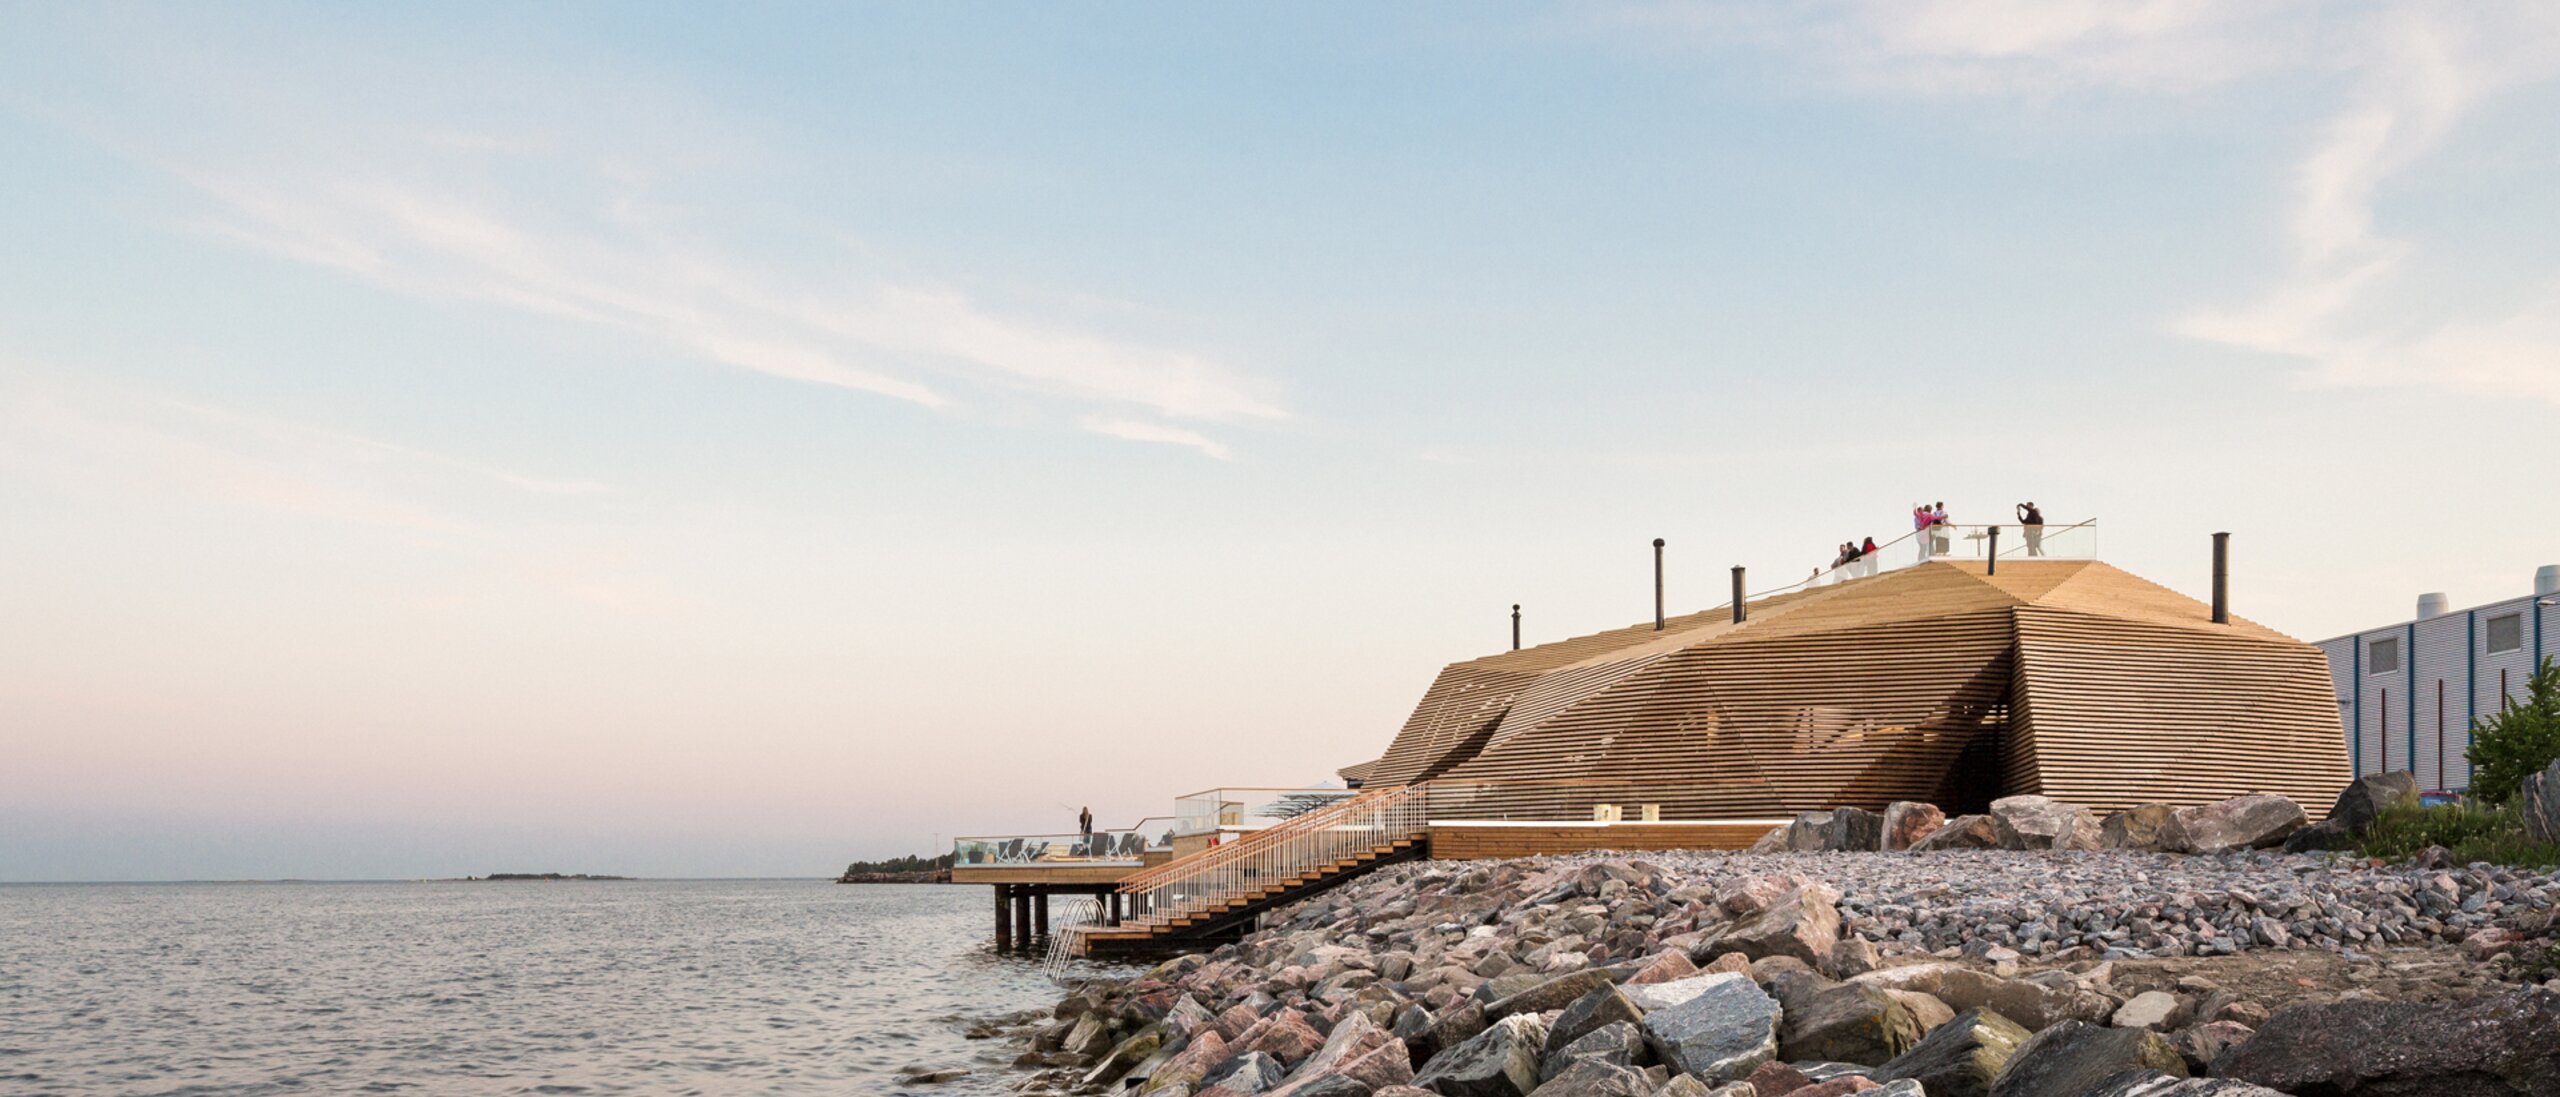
{"x": 708, "y": 987}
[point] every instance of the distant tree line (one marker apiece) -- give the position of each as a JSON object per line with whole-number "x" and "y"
{"x": 899, "y": 864}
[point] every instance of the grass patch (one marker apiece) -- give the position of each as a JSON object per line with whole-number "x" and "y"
{"x": 2469, "y": 832}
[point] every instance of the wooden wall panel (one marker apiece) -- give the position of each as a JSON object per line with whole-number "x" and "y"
{"x": 1464, "y": 843}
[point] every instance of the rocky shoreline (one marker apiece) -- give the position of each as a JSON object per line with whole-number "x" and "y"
{"x": 2041, "y": 972}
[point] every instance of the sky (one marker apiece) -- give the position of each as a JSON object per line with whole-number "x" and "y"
{"x": 722, "y": 440}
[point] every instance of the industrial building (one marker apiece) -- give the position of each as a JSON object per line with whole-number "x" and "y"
{"x": 2408, "y": 693}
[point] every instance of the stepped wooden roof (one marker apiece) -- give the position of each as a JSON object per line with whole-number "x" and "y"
{"x": 1937, "y": 682}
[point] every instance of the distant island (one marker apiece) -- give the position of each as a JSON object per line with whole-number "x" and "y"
{"x": 543, "y": 876}
{"x": 899, "y": 870}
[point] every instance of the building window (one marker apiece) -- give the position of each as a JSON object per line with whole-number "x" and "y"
{"x": 2382, "y": 656}
{"x": 2506, "y": 633}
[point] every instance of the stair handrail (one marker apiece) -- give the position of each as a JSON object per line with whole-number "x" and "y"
{"x": 1249, "y": 841}
{"x": 1214, "y": 879}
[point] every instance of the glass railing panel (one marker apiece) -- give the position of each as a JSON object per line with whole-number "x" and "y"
{"x": 1116, "y": 846}
{"x": 1249, "y": 808}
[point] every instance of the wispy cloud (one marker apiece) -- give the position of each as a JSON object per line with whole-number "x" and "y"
{"x": 1135, "y": 431}
{"x": 573, "y": 203}
{"x": 2412, "y": 73}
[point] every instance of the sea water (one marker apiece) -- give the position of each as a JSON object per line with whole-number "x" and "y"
{"x": 599, "y": 987}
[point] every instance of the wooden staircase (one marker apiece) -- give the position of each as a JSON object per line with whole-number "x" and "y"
{"x": 1215, "y": 894}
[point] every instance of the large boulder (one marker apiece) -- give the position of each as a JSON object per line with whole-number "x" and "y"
{"x": 2495, "y": 1044}
{"x": 1961, "y": 832}
{"x": 1251, "y": 1072}
{"x": 1847, "y": 1024}
{"x": 1719, "y": 1033}
{"x": 1655, "y": 996}
{"x": 1605, "y": 1005}
{"x": 1501, "y": 1061}
{"x": 2366, "y": 798}
{"x": 1809, "y": 831}
{"x": 1594, "y": 1078}
{"x": 1354, "y": 1036}
{"x": 1555, "y": 993}
{"x": 2135, "y": 828}
{"x": 2074, "y": 1057}
{"x": 2538, "y": 802}
{"x": 2256, "y": 821}
{"x": 1773, "y": 842}
{"x": 1906, "y": 822}
{"x": 2039, "y": 822}
{"x": 1803, "y": 923}
{"x": 1960, "y": 1057}
{"x": 2035, "y": 1005}
{"x": 1621, "y": 1043}
{"x": 1853, "y": 830}
{"x": 1663, "y": 967}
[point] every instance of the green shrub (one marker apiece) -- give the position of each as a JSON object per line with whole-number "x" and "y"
{"x": 2518, "y": 742}
{"x": 2469, "y": 832}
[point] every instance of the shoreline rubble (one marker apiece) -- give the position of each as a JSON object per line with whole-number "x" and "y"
{"x": 1943, "y": 972}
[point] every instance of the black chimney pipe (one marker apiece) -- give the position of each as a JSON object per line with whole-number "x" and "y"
{"x": 2222, "y": 578}
{"x": 1657, "y": 584}
{"x": 1993, "y": 567}
{"x": 1740, "y": 608}
{"x": 1515, "y": 626}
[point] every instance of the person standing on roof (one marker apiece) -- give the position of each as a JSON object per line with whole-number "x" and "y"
{"x": 1084, "y": 823}
{"x": 1867, "y": 558}
{"x": 1920, "y": 528}
{"x": 2031, "y": 522}
{"x": 1938, "y": 527}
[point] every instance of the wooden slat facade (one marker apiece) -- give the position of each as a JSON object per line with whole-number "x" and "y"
{"x": 1937, "y": 683}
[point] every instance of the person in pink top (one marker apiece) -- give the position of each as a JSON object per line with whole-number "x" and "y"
{"x": 1920, "y": 520}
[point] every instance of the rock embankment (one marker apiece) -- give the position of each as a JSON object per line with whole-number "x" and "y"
{"x": 2043, "y": 972}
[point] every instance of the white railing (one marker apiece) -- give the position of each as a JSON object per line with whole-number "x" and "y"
{"x": 1216, "y": 879}
{"x": 1066, "y": 936}
{"x": 2075, "y": 541}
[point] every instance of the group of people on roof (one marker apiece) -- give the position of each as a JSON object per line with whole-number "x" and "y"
{"x": 1930, "y": 528}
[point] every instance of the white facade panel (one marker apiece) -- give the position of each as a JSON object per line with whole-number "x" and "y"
{"x": 2440, "y": 682}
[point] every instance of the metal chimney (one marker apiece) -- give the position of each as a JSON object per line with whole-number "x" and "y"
{"x": 2222, "y": 578}
{"x": 1741, "y": 609}
{"x": 2546, "y": 580}
{"x": 1657, "y": 584}
{"x": 1515, "y": 626}
{"x": 2434, "y": 605}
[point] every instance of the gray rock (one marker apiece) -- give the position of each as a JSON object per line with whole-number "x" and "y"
{"x": 1807, "y": 833}
{"x": 1453, "y": 1027}
{"x": 1681, "y": 1085}
{"x": 2135, "y": 828}
{"x": 2038, "y": 822}
{"x": 1804, "y": 924}
{"x": 2152, "y": 1083}
{"x": 1853, "y": 830}
{"x": 1501, "y": 1061}
{"x": 2366, "y": 798}
{"x": 1620, "y": 1044}
{"x": 1604, "y": 1006}
{"x": 2327, "y": 834}
{"x": 1329, "y": 1085}
{"x": 1251, "y": 1072}
{"x": 1959, "y": 1058}
{"x": 1961, "y": 832}
{"x": 1853, "y": 956}
{"x": 2495, "y": 1044}
{"x": 1593, "y": 1078}
{"x": 2538, "y": 802}
{"x": 1852, "y": 1024}
{"x": 1657, "y": 996}
{"x": 2073, "y": 1057}
{"x": 1906, "y": 822}
{"x": 1773, "y": 842}
{"x": 1718, "y": 1034}
{"x": 1904, "y": 1087}
{"x": 2256, "y": 821}
{"x": 1555, "y": 993}
{"x": 2152, "y": 1009}
{"x": 2033, "y": 1005}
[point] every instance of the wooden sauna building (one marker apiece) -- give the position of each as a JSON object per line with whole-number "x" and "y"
{"x": 1946, "y": 682}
